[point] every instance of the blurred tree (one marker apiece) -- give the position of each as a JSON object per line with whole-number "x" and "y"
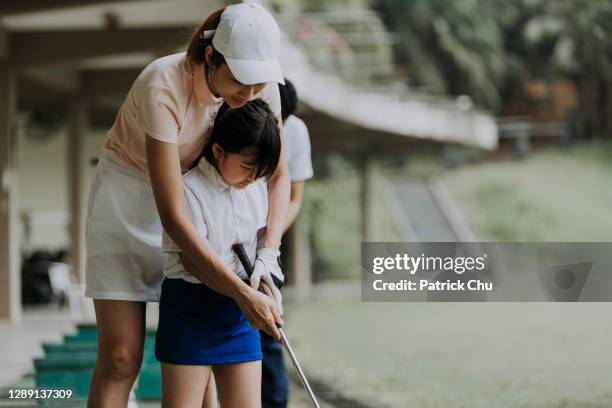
{"x": 453, "y": 47}
{"x": 574, "y": 38}
{"x": 488, "y": 49}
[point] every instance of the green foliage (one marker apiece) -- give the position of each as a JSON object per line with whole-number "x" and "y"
{"x": 333, "y": 205}
{"x": 569, "y": 36}
{"x": 451, "y": 47}
{"x": 484, "y": 48}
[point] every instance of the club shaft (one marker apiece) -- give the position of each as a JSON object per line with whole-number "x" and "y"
{"x": 297, "y": 366}
{"x": 246, "y": 263}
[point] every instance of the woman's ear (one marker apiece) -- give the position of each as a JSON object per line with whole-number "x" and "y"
{"x": 218, "y": 152}
{"x": 208, "y": 52}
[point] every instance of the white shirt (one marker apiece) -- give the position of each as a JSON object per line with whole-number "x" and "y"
{"x": 298, "y": 149}
{"x": 222, "y": 215}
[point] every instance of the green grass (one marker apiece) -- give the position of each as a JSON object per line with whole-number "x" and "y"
{"x": 556, "y": 195}
{"x": 424, "y": 355}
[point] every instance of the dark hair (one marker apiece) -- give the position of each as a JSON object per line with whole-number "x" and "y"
{"x": 251, "y": 128}
{"x": 197, "y": 45}
{"x": 289, "y": 99}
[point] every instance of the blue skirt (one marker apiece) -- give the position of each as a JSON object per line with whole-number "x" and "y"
{"x": 199, "y": 326}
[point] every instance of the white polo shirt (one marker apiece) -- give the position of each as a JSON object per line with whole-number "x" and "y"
{"x": 222, "y": 215}
{"x": 297, "y": 146}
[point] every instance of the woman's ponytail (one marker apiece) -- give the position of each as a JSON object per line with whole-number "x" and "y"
{"x": 197, "y": 44}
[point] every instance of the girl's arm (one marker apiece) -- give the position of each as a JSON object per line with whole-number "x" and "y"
{"x": 199, "y": 257}
{"x": 278, "y": 197}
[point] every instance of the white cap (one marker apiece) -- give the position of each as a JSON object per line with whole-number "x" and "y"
{"x": 249, "y": 40}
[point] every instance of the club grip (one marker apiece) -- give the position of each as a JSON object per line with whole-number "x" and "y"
{"x": 238, "y": 249}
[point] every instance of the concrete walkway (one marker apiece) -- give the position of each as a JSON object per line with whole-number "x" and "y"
{"x": 21, "y": 343}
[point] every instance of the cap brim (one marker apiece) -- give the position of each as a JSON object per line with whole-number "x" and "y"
{"x": 251, "y": 72}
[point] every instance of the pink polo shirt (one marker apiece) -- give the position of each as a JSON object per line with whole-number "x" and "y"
{"x": 170, "y": 101}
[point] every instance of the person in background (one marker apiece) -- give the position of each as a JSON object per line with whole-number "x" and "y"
{"x": 275, "y": 382}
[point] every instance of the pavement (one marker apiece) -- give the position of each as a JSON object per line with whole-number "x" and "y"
{"x": 22, "y": 342}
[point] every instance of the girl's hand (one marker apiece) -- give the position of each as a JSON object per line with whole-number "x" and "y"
{"x": 267, "y": 263}
{"x": 260, "y": 310}
{"x": 266, "y": 269}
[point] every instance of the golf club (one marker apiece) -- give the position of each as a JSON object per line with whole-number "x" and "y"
{"x": 238, "y": 248}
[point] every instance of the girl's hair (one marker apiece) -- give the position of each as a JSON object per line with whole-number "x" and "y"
{"x": 197, "y": 45}
{"x": 249, "y": 129}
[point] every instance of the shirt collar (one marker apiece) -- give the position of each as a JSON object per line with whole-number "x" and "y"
{"x": 212, "y": 175}
{"x": 204, "y": 95}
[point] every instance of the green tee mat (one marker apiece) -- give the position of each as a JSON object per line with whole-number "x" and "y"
{"x": 71, "y": 363}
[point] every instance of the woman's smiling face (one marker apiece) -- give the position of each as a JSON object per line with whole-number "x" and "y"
{"x": 223, "y": 84}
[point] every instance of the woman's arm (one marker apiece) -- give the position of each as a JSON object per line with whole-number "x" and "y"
{"x": 278, "y": 197}
{"x": 163, "y": 165}
{"x": 198, "y": 256}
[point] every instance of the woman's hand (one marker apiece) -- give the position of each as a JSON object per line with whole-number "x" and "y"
{"x": 260, "y": 310}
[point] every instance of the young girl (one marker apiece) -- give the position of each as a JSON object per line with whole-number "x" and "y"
{"x": 199, "y": 328}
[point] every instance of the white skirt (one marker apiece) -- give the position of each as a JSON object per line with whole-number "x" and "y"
{"x": 123, "y": 235}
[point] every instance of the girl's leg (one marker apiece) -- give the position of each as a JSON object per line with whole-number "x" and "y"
{"x": 239, "y": 385}
{"x": 183, "y": 385}
{"x": 121, "y": 330}
{"x": 210, "y": 395}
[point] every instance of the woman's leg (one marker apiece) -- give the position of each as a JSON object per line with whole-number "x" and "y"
{"x": 239, "y": 385}
{"x": 121, "y": 331}
{"x": 183, "y": 385}
{"x": 210, "y": 395}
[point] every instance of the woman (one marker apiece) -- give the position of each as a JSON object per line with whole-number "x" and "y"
{"x": 158, "y": 134}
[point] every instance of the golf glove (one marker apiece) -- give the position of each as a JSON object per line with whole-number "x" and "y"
{"x": 267, "y": 268}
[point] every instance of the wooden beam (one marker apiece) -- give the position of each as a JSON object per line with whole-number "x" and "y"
{"x": 108, "y": 81}
{"x": 102, "y": 118}
{"x": 10, "y": 276}
{"x": 328, "y": 133}
{"x": 41, "y": 47}
{"x": 11, "y": 7}
{"x": 77, "y": 181}
{"x": 33, "y": 93}
{"x": 36, "y": 91}
{"x": 101, "y": 113}
{"x": 368, "y": 199}
{"x": 299, "y": 270}
{"x": 101, "y": 86}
